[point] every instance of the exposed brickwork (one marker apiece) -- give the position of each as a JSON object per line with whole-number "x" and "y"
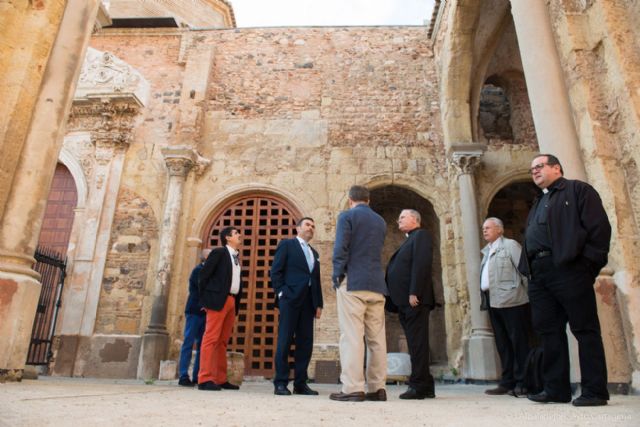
{"x": 133, "y": 233}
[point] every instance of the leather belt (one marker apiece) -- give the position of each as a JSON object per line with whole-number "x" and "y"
{"x": 541, "y": 254}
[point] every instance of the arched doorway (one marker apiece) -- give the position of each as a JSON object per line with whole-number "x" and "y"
{"x": 512, "y": 204}
{"x": 59, "y": 213}
{"x": 51, "y": 256}
{"x": 388, "y": 202}
{"x": 263, "y": 220}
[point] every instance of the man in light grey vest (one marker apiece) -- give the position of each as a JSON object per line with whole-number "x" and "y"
{"x": 504, "y": 294}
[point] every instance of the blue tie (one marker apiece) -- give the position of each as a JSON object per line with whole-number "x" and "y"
{"x": 307, "y": 253}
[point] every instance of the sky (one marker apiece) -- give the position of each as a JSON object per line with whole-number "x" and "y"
{"x": 293, "y": 13}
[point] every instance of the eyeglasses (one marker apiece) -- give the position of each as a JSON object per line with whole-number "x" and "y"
{"x": 537, "y": 167}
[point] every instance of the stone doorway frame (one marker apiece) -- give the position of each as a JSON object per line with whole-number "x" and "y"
{"x": 257, "y": 304}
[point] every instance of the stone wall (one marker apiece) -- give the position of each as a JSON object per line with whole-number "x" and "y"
{"x": 124, "y": 284}
{"x": 599, "y": 50}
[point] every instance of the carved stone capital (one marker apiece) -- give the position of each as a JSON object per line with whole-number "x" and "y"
{"x": 466, "y": 157}
{"x": 180, "y": 159}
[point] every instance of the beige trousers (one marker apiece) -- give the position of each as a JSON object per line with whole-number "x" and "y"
{"x": 361, "y": 318}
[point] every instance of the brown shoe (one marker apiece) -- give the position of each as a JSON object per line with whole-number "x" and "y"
{"x": 497, "y": 391}
{"x": 377, "y": 396}
{"x": 357, "y": 396}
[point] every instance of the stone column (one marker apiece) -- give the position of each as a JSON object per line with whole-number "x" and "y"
{"x": 480, "y": 357}
{"x": 180, "y": 160}
{"x": 26, "y": 201}
{"x": 546, "y": 87}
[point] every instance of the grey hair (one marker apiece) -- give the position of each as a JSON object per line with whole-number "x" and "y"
{"x": 496, "y": 221}
{"x": 414, "y": 213}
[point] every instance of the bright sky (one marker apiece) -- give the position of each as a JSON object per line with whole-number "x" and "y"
{"x": 293, "y": 13}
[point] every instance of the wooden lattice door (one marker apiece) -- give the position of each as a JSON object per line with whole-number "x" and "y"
{"x": 263, "y": 221}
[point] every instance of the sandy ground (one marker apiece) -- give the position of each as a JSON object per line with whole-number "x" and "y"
{"x": 91, "y": 402}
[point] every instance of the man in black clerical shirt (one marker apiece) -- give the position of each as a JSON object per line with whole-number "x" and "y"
{"x": 566, "y": 245}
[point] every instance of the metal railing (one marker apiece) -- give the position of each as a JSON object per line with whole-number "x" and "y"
{"x": 52, "y": 268}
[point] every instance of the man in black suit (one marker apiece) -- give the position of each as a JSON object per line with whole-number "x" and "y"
{"x": 220, "y": 288}
{"x": 411, "y": 290}
{"x": 295, "y": 277}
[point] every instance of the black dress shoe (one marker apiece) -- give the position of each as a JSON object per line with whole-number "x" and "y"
{"x": 304, "y": 389}
{"x": 543, "y": 397}
{"x": 500, "y": 390}
{"x": 413, "y": 394}
{"x": 185, "y": 382}
{"x": 357, "y": 396}
{"x": 281, "y": 390}
{"x": 209, "y": 386}
{"x": 228, "y": 386}
{"x": 377, "y": 396}
{"x": 519, "y": 391}
{"x": 589, "y": 401}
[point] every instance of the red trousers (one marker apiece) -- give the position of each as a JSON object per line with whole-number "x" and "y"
{"x": 213, "y": 350}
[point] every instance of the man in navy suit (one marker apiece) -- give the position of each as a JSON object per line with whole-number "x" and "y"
{"x": 411, "y": 290}
{"x": 357, "y": 254}
{"x": 220, "y": 288}
{"x": 194, "y": 323}
{"x": 295, "y": 277}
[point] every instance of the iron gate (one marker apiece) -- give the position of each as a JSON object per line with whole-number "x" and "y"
{"x": 52, "y": 267}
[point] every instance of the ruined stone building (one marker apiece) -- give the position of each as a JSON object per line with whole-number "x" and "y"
{"x": 132, "y": 131}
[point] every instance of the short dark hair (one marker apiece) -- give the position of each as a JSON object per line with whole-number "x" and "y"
{"x": 551, "y": 160}
{"x": 226, "y": 232}
{"x": 358, "y": 193}
{"x": 301, "y": 220}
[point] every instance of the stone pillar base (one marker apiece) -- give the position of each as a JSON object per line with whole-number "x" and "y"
{"x": 235, "y": 367}
{"x": 153, "y": 350}
{"x": 481, "y": 360}
{"x": 18, "y": 300}
{"x": 11, "y": 375}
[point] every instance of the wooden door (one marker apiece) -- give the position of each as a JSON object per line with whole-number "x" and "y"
{"x": 263, "y": 220}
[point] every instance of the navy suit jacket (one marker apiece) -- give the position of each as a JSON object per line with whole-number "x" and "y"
{"x": 409, "y": 270}
{"x": 290, "y": 274}
{"x": 357, "y": 252}
{"x": 215, "y": 280}
{"x": 193, "y": 301}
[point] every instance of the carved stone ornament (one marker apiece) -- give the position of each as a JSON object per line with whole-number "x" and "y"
{"x": 105, "y": 75}
{"x": 180, "y": 159}
{"x": 465, "y": 158}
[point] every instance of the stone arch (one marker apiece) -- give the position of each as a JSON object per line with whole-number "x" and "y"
{"x": 263, "y": 219}
{"x": 388, "y": 201}
{"x": 66, "y": 158}
{"x": 58, "y": 219}
{"x": 458, "y": 66}
{"x": 209, "y": 208}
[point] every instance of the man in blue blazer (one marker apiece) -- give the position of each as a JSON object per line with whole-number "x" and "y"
{"x": 357, "y": 255}
{"x": 194, "y": 323}
{"x": 295, "y": 277}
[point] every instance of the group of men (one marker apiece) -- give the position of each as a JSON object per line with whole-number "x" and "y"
{"x": 549, "y": 282}
{"x": 566, "y": 244}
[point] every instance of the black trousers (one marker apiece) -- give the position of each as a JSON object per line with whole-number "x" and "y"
{"x": 558, "y": 295}
{"x": 511, "y": 330}
{"x": 415, "y": 322}
{"x": 295, "y": 323}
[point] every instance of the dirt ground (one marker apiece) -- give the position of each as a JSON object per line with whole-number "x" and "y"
{"x": 91, "y": 402}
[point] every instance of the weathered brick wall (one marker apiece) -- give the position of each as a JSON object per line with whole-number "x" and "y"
{"x": 124, "y": 283}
